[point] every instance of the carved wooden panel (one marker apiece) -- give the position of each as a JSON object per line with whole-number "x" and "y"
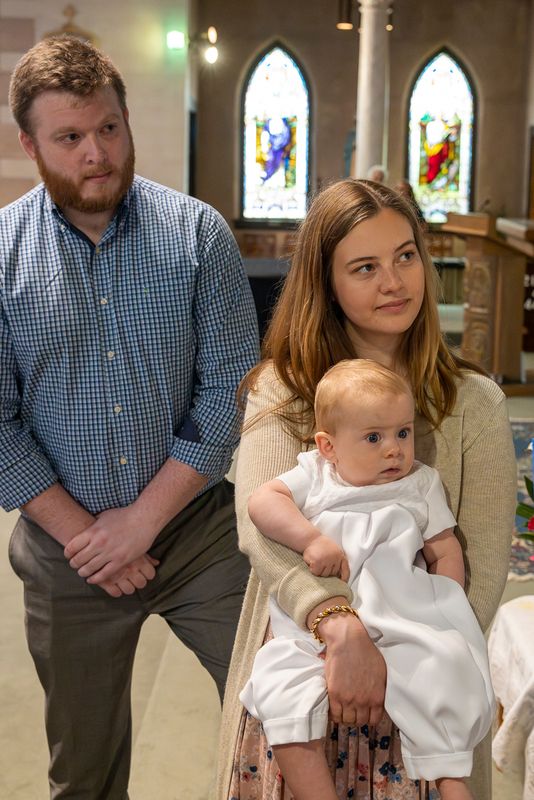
{"x": 478, "y": 289}
{"x": 493, "y": 278}
{"x": 476, "y": 341}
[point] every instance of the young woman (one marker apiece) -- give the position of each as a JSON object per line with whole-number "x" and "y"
{"x": 361, "y": 285}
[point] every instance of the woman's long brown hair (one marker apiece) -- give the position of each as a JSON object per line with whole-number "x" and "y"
{"x": 306, "y": 335}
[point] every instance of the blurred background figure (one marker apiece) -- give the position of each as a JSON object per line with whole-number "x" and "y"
{"x": 404, "y": 187}
{"x": 377, "y": 173}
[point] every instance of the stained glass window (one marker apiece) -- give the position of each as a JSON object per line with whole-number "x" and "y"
{"x": 275, "y": 140}
{"x": 440, "y": 149}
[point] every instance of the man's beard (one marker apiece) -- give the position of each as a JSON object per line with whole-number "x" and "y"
{"x": 66, "y": 192}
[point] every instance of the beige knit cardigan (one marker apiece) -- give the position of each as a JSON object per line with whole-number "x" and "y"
{"x": 474, "y": 454}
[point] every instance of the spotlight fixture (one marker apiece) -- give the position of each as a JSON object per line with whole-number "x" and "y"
{"x": 211, "y": 54}
{"x": 176, "y": 40}
{"x": 390, "y": 26}
{"x": 344, "y": 16}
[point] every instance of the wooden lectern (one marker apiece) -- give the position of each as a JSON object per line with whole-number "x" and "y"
{"x": 493, "y": 296}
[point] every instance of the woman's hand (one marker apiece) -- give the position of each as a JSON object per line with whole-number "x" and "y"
{"x": 354, "y": 668}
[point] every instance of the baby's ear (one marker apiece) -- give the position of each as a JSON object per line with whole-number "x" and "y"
{"x": 325, "y": 445}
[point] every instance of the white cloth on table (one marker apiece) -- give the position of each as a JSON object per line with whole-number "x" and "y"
{"x": 438, "y": 686}
{"x": 511, "y": 651}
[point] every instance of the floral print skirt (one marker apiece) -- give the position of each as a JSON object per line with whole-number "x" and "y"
{"x": 366, "y": 764}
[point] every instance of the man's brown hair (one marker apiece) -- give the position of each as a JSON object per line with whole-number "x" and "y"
{"x": 65, "y": 64}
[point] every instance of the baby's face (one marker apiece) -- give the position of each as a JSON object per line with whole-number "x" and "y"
{"x": 375, "y": 443}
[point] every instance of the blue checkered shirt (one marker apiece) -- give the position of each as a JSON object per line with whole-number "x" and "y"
{"x": 116, "y": 357}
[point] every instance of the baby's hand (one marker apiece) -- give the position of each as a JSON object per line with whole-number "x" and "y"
{"x": 325, "y": 558}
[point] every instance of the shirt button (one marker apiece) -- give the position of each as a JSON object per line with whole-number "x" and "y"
{"x": 117, "y": 409}
{"x": 123, "y": 460}
{"x": 111, "y": 354}
{"x": 98, "y": 250}
{"x": 103, "y": 301}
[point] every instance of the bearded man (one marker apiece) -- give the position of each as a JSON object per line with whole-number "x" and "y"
{"x": 127, "y": 324}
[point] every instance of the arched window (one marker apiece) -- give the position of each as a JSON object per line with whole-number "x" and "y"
{"x": 440, "y": 145}
{"x": 275, "y": 156}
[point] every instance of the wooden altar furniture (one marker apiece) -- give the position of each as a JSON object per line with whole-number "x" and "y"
{"x": 493, "y": 296}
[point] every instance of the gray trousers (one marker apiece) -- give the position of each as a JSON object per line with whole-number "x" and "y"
{"x": 83, "y": 641}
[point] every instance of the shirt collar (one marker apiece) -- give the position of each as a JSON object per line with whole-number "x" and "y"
{"x": 118, "y": 220}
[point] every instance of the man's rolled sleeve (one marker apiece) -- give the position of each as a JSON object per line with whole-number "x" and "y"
{"x": 24, "y": 479}
{"x": 207, "y": 459}
{"x": 24, "y": 469}
{"x": 226, "y": 330}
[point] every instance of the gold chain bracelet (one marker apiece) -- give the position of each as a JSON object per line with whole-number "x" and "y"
{"x": 326, "y": 612}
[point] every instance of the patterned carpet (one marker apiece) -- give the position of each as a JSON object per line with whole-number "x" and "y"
{"x": 521, "y": 567}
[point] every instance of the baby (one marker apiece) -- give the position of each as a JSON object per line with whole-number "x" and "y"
{"x": 362, "y": 508}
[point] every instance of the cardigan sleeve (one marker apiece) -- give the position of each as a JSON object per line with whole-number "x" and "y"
{"x": 268, "y": 449}
{"x": 487, "y": 501}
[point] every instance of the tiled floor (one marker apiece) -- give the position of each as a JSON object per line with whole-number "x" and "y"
{"x": 176, "y": 712}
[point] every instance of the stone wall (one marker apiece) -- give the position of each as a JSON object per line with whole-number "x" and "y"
{"x": 158, "y": 81}
{"x": 17, "y": 34}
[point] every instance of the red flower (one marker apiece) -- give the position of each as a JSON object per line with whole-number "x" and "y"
{"x": 530, "y": 524}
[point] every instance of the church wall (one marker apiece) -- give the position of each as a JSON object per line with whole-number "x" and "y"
{"x": 491, "y": 40}
{"x": 17, "y": 33}
{"x": 132, "y": 33}
{"x": 490, "y": 37}
{"x": 328, "y": 58}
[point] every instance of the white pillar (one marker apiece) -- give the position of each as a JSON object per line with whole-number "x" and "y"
{"x": 373, "y": 82}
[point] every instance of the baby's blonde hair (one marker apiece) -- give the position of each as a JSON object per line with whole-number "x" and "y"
{"x": 349, "y": 382}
